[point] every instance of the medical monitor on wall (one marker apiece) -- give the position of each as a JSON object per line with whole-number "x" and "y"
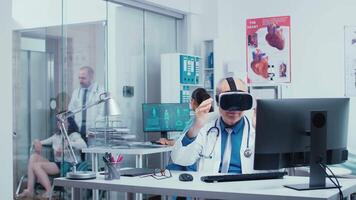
{"x": 163, "y": 117}
{"x": 301, "y": 132}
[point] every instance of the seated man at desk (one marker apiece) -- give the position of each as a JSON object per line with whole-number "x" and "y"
{"x": 226, "y": 144}
{"x": 39, "y": 168}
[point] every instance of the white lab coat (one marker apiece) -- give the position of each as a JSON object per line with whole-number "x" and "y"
{"x": 56, "y": 141}
{"x": 203, "y": 144}
{"x": 94, "y": 113}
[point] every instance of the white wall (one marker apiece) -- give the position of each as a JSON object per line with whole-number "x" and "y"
{"x": 49, "y": 13}
{"x": 203, "y": 25}
{"x": 183, "y": 6}
{"x": 201, "y": 20}
{"x": 317, "y": 42}
{"x": 44, "y": 13}
{"x": 180, "y": 5}
{"x": 201, "y": 15}
{"x": 36, "y": 13}
{"x": 6, "y": 100}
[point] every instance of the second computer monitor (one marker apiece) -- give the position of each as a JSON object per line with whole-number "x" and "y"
{"x": 163, "y": 117}
{"x": 283, "y": 131}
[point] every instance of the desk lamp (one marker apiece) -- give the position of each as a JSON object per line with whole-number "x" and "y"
{"x": 110, "y": 109}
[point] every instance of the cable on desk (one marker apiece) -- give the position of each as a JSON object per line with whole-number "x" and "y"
{"x": 337, "y": 183}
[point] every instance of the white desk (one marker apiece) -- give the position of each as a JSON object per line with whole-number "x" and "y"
{"x": 138, "y": 152}
{"x": 248, "y": 190}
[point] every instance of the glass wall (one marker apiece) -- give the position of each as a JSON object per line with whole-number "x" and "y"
{"x": 126, "y": 62}
{"x": 45, "y": 79}
{"x": 121, "y": 44}
{"x": 48, "y": 56}
{"x": 33, "y": 91}
{"x": 136, "y": 39}
{"x": 160, "y": 37}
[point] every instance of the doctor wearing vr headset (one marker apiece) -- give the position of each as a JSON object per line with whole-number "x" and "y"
{"x": 223, "y": 145}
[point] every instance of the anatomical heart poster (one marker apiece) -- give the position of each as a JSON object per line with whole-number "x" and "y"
{"x": 268, "y": 50}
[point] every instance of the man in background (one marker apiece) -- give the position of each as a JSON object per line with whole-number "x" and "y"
{"x": 88, "y": 93}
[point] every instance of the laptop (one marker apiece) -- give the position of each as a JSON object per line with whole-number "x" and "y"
{"x": 136, "y": 172}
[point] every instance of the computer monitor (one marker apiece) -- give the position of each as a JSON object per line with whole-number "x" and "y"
{"x": 163, "y": 117}
{"x": 301, "y": 132}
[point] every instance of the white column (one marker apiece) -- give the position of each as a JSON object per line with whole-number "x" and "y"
{"x": 6, "y": 159}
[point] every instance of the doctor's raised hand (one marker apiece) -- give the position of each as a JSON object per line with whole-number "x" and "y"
{"x": 201, "y": 116}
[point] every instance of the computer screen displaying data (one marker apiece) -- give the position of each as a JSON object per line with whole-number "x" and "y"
{"x": 165, "y": 116}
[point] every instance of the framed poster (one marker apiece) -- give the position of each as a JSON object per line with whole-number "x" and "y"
{"x": 268, "y": 50}
{"x": 350, "y": 61}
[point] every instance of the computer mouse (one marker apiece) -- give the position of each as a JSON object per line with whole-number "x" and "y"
{"x": 185, "y": 177}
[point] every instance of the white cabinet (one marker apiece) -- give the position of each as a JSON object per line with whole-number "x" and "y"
{"x": 180, "y": 75}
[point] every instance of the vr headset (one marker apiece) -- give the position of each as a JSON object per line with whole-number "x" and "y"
{"x": 234, "y": 100}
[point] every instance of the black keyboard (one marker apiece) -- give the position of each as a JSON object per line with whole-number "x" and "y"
{"x": 243, "y": 177}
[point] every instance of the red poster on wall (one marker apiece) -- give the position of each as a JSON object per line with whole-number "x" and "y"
{"x": 268, "y": 50}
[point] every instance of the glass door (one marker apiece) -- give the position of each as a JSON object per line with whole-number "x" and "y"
{"x": 45, "y": 75}
{"x": 32, "y": 116}
{"x": 121, "y": 43}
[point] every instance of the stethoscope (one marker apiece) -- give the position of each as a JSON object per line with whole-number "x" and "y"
{"x": 247, "y": 152}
